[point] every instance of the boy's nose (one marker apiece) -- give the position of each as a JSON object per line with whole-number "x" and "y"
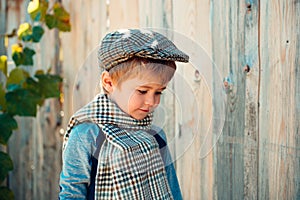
{"x": 150, "y": 100}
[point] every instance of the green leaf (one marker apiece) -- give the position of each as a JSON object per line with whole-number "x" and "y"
{"x": 2, "y": 98}
{"x": 34, "y": 86}
{"x": 23, "y": 102}
{"x": 28, "y": 54}
{"x": 16, "y": 78}
{"x": 51, "y": 21}
{"x": 6, "y": 193}
{"x": 7, "y": 125}
{"x": 24, "y": 57}
{"x": 60, "y": 19}
{"x": 6, "y": 165}
{"x": 17, "y": 58}
{"x": 37, "y": 33}
{"x": 49, "y": 85}
{"x": 37, "y": 9}
{"x": 28, "y": 33}
{"x": 24, "y": 32}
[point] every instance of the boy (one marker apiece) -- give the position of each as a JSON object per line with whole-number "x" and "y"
{"x": 111, "y": 150}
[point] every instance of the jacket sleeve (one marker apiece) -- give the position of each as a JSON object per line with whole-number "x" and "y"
{"x": 169, "y": 167}
{"x": 77, "y": 162}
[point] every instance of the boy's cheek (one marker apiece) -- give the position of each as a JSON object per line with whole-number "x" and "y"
{"x": 154, "y": 107}
{"x": 157, "y": 101}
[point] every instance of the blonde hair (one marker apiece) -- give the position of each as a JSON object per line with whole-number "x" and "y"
{"x": 136, "y": 67}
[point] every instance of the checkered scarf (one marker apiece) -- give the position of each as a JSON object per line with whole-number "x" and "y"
{"x": 129, "y": 163}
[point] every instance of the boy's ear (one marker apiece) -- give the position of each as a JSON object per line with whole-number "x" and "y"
{"x": 107, "y": 82}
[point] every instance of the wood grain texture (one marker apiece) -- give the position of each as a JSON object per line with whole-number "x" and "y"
{"x": 79, "y": 55}
{"x": 123, "y": 14}
{"x": 195, "y": 173}
{"x": 235, "y": 43}
{"x": 48, "y": 140}
{"x": 3, "y": 21}
{"x": 251, "y": 72}
{"x": 279, "y": 100}
{"x": 3, "y": 50}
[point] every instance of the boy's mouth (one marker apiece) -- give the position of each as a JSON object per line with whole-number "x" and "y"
{"x": 144, "y": 110}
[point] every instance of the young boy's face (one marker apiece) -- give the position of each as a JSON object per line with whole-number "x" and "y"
{"x": 138, "y": 96}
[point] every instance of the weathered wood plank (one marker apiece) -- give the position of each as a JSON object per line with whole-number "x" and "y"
{"x": 20, "y": 180}
{"x": 123, "y": 14}
{"x": 279, "y": 100}
{"x": 3, "y": 22}
{"x": 234, "y": 35}
{"x": 3, "y": 51}
{"x": 80, "y": 66}
{"x": 191, "y": 18}
{"x": 251, "y": 71}
{"x": 47, "y": 143}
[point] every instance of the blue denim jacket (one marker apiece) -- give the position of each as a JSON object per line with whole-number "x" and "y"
{"x": 80, "y": 159}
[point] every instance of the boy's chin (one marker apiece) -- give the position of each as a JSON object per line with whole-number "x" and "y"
{"x": 139, "y": 117}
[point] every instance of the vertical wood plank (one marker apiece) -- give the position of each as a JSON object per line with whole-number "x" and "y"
{"x": 234, "y": 36}
{"x": 191, "y": 18}
{"x": 80, "y": 64}
{"x": 279, "y": 100}
{"x": 21, "y": 178}
{"x": 3, "y": 51}
{"x": 123, "y": 14}
{"x": 297, "y": 106}
{"x": 188, "y": 164}
{"x": 46, "y": 148}
{"x": 251, "y": 71}
{"x": 3, "y": 22}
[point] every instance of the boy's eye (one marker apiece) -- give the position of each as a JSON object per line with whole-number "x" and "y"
{"x": 142, "y": 91}
{"x": 146, "y": 91}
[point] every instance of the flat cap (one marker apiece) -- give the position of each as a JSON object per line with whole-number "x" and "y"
{"x": 121, "y": 45}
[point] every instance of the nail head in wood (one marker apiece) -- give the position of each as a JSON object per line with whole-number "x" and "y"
{"x": 247, "y": 68}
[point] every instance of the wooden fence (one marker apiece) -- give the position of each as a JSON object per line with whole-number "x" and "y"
{"x": 253, "y": 46}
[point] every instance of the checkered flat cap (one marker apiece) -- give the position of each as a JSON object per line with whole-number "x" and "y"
{"x": 121, "y": 45}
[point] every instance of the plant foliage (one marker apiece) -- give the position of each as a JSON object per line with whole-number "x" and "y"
{"x": 22, "y": 93}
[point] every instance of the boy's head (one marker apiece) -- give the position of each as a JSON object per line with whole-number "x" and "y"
{"x": 138, "y": 65}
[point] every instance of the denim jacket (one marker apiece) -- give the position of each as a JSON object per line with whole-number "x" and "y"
{"x": 80, "y": 159}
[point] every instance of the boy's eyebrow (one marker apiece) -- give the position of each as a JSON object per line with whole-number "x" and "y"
{"x": 149, "y": 87}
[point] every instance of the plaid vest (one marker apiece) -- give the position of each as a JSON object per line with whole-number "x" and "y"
{"x": 129, "y": 163}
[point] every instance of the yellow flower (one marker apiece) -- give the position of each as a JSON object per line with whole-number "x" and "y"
{"x": 3, "y": 58}
{"x": 16, "y": 48}
{"x": 3, "y": 64}
{"x": 33, "y": 6}
{"x": 23, "y": 28}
